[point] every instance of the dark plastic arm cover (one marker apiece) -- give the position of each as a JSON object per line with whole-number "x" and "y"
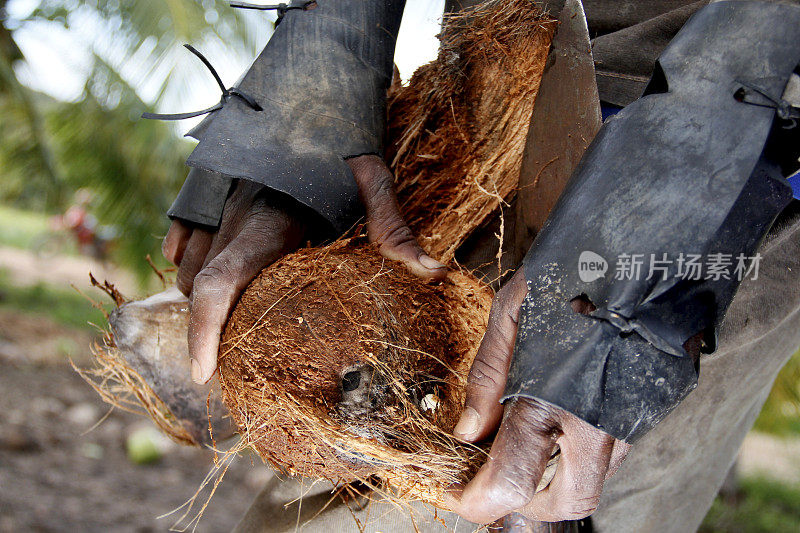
{"x": 680, "y": 171}
{"x": 321, "y": 81}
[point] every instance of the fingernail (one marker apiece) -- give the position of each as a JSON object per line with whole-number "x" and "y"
{"x": 468, "y": 423}
{"x": 429, "y": 262}
{"x": 197, "y": 372}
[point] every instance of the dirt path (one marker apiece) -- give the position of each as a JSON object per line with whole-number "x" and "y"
{"x": 59, "y": 474}
{"x": 56, "y": 476}
{"x": 26, "y": 268}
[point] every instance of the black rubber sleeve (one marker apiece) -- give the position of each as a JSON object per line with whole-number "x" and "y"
{"x": 680, "y": 172}
{"x": 321, "y": 84}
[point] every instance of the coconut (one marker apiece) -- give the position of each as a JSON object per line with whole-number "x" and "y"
{"x": 339, "y": 364}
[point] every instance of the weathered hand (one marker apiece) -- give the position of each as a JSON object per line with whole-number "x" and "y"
{"x": 258, "y": 227}
{"x": 528, "y": 431}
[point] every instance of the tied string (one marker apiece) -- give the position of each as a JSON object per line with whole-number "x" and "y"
{"x": 783, "y": 109}
{"x": 626, "y": 326}
{"x": 226, "y": 95}
{"x": 281, "y": 8}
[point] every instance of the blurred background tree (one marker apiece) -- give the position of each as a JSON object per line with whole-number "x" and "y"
{"x": 131, "y": 61}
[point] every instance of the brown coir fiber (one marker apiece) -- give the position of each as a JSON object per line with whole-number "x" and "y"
{"x": 339, "y": 364}
{"x": 330, "y": 354}
{"x": 457, "y": 132}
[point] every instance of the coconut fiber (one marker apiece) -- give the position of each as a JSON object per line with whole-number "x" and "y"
{"x": 339, "y": 364}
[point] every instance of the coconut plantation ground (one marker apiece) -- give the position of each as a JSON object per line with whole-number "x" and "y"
{"x": 61, "y": 470}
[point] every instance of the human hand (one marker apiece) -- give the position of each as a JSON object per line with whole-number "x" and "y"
{"x": 528, "y": 432}
{"x": 258, "y": 227}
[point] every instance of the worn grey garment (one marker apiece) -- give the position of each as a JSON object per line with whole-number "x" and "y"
{"x": 673, "y": 473}
{"x": 627, "y": 38}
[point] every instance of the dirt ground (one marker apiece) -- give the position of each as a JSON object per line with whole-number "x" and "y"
{"x": 26, "y": 268}
{"x": 58, "y": 474}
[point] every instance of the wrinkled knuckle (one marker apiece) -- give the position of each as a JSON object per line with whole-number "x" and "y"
{"x": 398, "y": 234}
{"x": 487, "y": 372}
{"x": 535, "y": 416}
{"x": 377, "y": 186}
{"x": 575, "y": 509}
{"x": 213, "y": 279}
{"x": 267, "y": 225}
{"x": 510, "y": 494}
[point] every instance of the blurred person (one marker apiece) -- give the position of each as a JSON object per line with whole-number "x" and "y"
{"x": 91, "y": 238}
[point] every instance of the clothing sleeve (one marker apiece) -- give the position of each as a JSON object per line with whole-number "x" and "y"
{"x": 320, "y": 88}
{"x": 683, "y": 175}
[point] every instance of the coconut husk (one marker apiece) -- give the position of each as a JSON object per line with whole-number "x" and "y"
{"x": 141, "y": 366}
{"x": 458, "y": 130}
{"x": 339, "y": 364}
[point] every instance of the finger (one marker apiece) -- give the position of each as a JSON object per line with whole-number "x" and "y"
{"x": 517, "y": 460}
{"x": 618, "y": 455}
{"x": 575, "y": 490}
{"x": 248, "y": 200}
{"x": 385, "y": 224}
{"x": 174, "y": 244}
{"x": 487, "y": 377}
{"x": 192, "y": 260}
{"x": 217, "y": 287}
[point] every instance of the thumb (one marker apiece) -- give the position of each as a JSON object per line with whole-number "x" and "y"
{"x": 385, "y": 224}
{"x": 487, "y": 377}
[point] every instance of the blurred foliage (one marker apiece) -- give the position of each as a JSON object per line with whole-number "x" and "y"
{"x": 762, "y": 506}
{"x": 20, "y": 228}
{"x": 781, "y": 412}
{"x": 63, "y": 305}
{"x": 50, "y": 148}
{"x": 134, "y": 177}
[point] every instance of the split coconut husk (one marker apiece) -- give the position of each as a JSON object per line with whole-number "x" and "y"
{"x": 457, "y": 132}
{"x": 339, "y": 364}
{"x": 142, "y": 366}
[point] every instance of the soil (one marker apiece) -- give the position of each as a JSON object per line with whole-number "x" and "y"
{"x": 58, "y": 474}
{"x": 26, "y": 268}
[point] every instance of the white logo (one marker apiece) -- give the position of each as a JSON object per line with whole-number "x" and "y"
{"x": 591, "y": 267}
